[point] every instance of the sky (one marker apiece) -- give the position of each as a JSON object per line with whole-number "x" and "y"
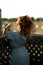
{"x": 16, "y": 8}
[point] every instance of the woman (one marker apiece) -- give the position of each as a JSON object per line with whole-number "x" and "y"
{"x": 19, "y": 54}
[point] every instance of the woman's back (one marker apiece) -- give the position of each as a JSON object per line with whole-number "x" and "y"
{"x": 19, "y": 54}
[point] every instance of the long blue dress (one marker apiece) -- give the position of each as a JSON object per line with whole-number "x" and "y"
{"x": 19, "y": 54}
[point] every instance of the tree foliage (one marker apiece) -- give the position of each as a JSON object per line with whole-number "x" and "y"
{"x": 39, "y": 19}
{"x": 4, "y": 19}
{"x": 12, "y": 19}
{"x": 33, "y": 18}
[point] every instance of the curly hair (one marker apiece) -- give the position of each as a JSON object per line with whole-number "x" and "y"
{"x": 25, "y": 22}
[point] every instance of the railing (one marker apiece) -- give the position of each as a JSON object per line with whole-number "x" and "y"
{"x": 4, "y": 51}
{"x": 34, "y": 47}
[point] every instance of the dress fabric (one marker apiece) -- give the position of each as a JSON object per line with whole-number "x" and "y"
{"x": 19, "y": 53}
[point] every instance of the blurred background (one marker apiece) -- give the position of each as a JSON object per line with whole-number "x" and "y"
{"x": 12, "y": 9}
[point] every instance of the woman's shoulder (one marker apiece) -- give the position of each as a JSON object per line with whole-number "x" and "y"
{"x": 11, "y": 34}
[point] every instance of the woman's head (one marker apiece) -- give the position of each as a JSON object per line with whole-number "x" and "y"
{"x": 25, "y": 25}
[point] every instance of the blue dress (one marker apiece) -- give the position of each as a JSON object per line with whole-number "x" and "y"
{"x": 19, "y": 54}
